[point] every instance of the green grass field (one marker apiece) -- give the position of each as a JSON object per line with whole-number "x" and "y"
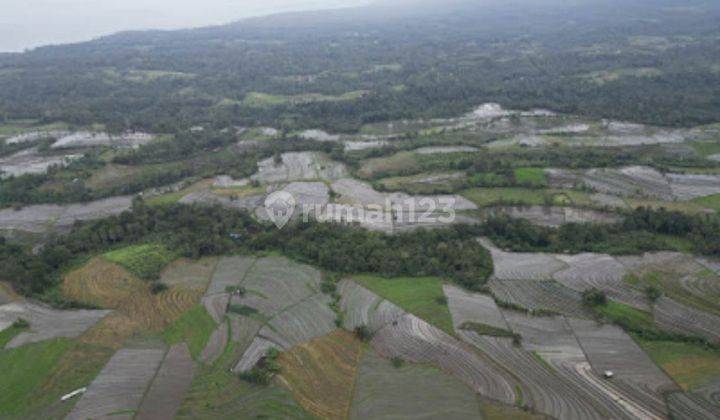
{"x": 194, "y": 327}
{"x": 261, "y": 100}
{"x": 625, "y": 315}
{"x": 530, "y": 176}
{"x": 711, "y": 202}
{"x": 24, "y": 369}
{"x": 8, "y": 334}
{"x": 145, "y": 261}
{"x": 690, "y": 365}
{"x": 706, "y": 148}
{"x": 421, "y": 296}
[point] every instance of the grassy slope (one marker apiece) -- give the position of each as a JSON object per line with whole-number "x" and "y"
{"x": 622, "y": 314}
{"x": 194, "y": 327}
{"x": 690, "y": 365}
{"x": 218, "y": 393}
{"x": 421, "y": 296}
{"x": 145, "y": 261}
{"x": 24, "y": 369}
{"x": 532, "y": 176}
{"x": 711, "y": 202}
{"x": 8, "y": 334}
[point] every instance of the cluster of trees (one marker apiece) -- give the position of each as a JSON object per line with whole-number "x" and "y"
{"x": 642, "y": 230}
{"x": 195, "y": 231}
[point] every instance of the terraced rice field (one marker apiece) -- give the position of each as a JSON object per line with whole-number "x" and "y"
{"x": 47, "y": 323}
{"x": 555, "y": 216}
{"x": 120, "y": 386}
{"x": 635, "y": 373}
{"x": 604, "y": 272}
{"x": 301, "y": 323}
{"x": 523, "y": 266}
{"x": 674, "y": 316}
{"x": 554, "y": 342}
{"x": 362, "y": 307}
{"x": 169, "y": 386}
{"x": 229, "y": 272}
{"x": 383, "y": 391}
{"x": 472, "y": 307}
{"x": 691, "y": 406}
{"x": 416, "y": 341}
{"x": 321, "y": 373}
{"x": 216, "y": 344}
{"x": 31, "y": 161}
{"x": 547, "y": 295}
{"x": 107, "y": 285}
{"x": 48, "y": 217}
{"x": 189, "y": 274}
{"x": 544, "y": 389}
{"x": 299, "y": 166}
{"x": 275, "y": 283}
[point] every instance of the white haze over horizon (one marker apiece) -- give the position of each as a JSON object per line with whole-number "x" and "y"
{"x": 26, "y": 24}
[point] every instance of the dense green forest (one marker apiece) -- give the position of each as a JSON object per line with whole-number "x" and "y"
{"x": 648, "y": 61}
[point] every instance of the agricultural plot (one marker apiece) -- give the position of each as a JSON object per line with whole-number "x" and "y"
{"x": 96, "y": 139}
{"x": 362, "y": 307}
{"x": 351, "y": 146}
{"x": 229, "y": 272}
{"x": 145, "y": 261}
{"x": 119, "y": 388}
{"x": 383, "y": 391}
{"x": 547, "y": 295}
{"x": 691, "y": 406}
{"x": 416, "y": 341}
{"x": 205, "y": 197}
{"x": 420, "y": 296}
{"x": 554, "y": 342}
{"x": 275, "y": 283}
{"x": 319, "y": 135}
{"x": 673, "y": 316}
{"x": 523, "y": 266}
{"x": 31, "y": 161}
{"x": 639, "y": 181}
{"x": 216, "y": 344}
{"x": 679, "y": 276}
{"x": 357, "y": 193}
{"x": 321, "y": 373}
{"x": 693, "y": 366}
{"x": 301, "y": 323}
{"x": 107, "y": 285}
{"x": 195, "y": 328}
{"x": 472, "y": 307}
{"x": 255, "y": 351}
{"x": 46, "y": 323}
{"x": 604, "y": 272}
{"x": 169, "y": 386}
{"x": 190, "y": 274}
{"x": 48, "y": 217}
{"x": 308, "y": 193}
{"x": 555, "y": 216}
{"x": 635, "y": 373}
{"x": 545, "y": 390}
{"x": 445, "y": 149}
{"x": 33, "y": 136}
{"x": 299, "y": 166}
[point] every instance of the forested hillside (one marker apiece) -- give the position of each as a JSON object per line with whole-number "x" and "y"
{"x": 647, "y": 61}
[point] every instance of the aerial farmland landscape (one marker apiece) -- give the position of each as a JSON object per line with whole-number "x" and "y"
{"x": 459, "y": 209}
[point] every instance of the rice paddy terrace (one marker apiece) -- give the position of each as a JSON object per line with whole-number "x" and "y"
{"x": 257, "y": 334}
{"x": 264, "y": 336}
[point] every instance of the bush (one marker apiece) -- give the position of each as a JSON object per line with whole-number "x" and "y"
{"x": 594, "y": 297}
{"x": 158, "y": 287}
{"x": 441, "y": 300}
{"x": 242, "y": 310}
{"x": 363, "y": 333}
{"x": 328, "y": 287}
{"x": 653, "y": 293}
{"x": 235, "y": 290}
{"x": 21, "y": 323}
{"x": 397, "y": 362}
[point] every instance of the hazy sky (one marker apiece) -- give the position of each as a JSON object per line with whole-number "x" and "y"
{"x": 31, "y": 23}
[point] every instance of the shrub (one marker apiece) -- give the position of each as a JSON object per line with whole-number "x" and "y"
{"x": 158, "y": 287}
{"x": 363, "y": 333}
{"x": 653, "y": 293}
{"x": 594, "y": 297}
{"x": 397, "y": 362}
{"x": 21, "y": 323}
{"x": 242, "y": 310}
{"x": 235, "y": 290}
